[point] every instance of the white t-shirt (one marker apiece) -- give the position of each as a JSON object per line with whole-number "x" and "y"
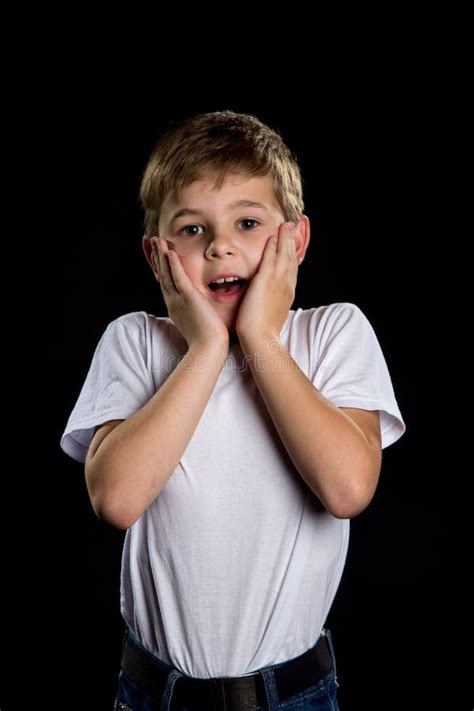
{"x": 236, "y": 563}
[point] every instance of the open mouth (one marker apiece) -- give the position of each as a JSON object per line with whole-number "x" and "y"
{"x": 227, "y": 291}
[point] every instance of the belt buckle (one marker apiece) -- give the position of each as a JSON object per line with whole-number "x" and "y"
{"x": 237, "y": 693}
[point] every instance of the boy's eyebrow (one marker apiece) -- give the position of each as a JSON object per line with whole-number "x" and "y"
{"x": 195, "y": 211}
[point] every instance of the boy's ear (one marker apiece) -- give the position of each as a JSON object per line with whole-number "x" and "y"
{"x": 146, "y": 244}
{"x": 303, "y": 233}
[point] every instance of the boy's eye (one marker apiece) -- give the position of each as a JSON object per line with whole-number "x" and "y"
{"x": 248, "y": 220}
{"x": 191, "y": 229}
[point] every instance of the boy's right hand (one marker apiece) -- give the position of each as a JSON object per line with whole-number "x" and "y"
{"x": 188, "y": 307}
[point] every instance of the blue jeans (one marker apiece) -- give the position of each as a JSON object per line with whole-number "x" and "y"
{"x": 320, "y": 697}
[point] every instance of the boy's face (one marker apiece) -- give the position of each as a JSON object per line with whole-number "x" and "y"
{"x": 223, "y": 232}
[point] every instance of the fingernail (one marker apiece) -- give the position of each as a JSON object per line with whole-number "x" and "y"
{"x": 291, "y": 226}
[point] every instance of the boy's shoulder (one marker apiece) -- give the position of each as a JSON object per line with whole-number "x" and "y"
{"x": 139, "y": 317}
{"x": 146, "y": 330}
{"x": 339, "y": 313}
{"x": 334, "y": 327}
{"x": 139, "y": 320}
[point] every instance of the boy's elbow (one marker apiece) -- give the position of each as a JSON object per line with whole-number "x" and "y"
{"x": 118, "y": 516}
{"x": 353, "y": 501}
{"x": 348, "y": 508}
{"x": 107, "y": 503}
{"x": 359, "y": 487}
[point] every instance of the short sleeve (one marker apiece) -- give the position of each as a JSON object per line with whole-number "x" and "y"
{"x": 351, "y": 370}
{"x": 119, "y": 382}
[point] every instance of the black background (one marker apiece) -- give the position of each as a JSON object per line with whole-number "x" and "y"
{"x": 355, "y": 146}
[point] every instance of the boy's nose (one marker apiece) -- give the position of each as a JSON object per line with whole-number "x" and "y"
{"x": 220, "y": 244}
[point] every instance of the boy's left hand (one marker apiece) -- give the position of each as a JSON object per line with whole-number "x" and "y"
{"x": 265, "y": 306}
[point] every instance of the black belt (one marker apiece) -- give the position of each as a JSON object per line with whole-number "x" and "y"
{"x": 237, "y": 693}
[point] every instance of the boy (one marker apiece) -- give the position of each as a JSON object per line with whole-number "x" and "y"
{"x": 233, "y": 439}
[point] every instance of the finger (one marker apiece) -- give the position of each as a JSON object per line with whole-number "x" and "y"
{"x": 286, "y": 246}
{"x": 155, "y": 261}
{"x": 286, "y": 235}
{"x": 181, "y": 281}
{"x": 267, "y": 262}
{"x": 290, "y": 234}
{"x": 292, "y": 248}
{"x": 166, "y": 279}
{"x": 270, "y": 249}
{"x": 155, "y": 258}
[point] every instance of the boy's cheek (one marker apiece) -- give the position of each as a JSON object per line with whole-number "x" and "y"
{"x": 184, "y": 261}
{"x": 187, "y": 265}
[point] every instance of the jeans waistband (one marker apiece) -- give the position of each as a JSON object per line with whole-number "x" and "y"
{"x": 232, "y": 693}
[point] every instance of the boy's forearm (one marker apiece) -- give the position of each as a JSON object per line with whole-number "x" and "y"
{"x": 136, "y": 459}
{"x": 328, "y": 449}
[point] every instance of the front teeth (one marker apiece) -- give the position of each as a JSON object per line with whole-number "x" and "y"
{"x": 221, "y": 281}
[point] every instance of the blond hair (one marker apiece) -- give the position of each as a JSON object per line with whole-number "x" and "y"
{"x": 219, "y": 143}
